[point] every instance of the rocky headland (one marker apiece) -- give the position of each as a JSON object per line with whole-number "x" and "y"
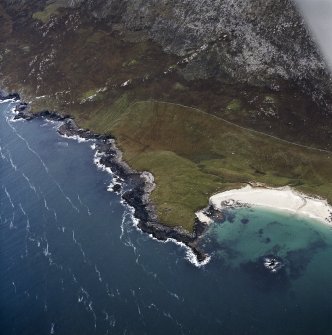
{"x": 140, "y": 184}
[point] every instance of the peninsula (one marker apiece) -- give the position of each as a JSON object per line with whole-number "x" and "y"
{"x": 206, "y": 96}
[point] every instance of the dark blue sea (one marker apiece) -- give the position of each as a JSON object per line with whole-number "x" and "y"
{"x": 72, "y": 261}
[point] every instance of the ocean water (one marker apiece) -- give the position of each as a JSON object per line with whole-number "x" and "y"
{"x": 72, "y": 262}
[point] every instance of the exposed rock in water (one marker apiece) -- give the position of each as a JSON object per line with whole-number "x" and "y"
{"x": 117, "y": 188}
{"x": 272, "y": 263}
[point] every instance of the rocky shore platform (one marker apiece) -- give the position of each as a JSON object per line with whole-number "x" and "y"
{"x": 140, "y": 184}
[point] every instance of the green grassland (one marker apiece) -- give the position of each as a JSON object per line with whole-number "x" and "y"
{"x": 193, "y": 155}
{"x": 52, "y": 9}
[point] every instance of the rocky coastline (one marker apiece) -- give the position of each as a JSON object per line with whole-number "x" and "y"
{"x": 141, "y": 184}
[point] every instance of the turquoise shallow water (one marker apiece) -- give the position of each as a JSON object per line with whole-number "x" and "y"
{"x": 249, "y": 233}
{"x": 71, "y": 261}
{"x": 301, "y": 290}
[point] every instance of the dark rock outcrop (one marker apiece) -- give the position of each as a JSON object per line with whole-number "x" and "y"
{"x": 6, "y": 96}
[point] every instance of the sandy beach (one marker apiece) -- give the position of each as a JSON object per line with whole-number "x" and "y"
{"x": 283, "y": 198}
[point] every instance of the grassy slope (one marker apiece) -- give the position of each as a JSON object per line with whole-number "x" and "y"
{"x": 193, "y": 154}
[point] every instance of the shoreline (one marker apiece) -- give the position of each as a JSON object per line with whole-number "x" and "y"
{"x": 141, "y": 184}
{"x": 284, "y": 199}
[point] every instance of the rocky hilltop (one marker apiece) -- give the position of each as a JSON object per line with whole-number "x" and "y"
{"x": 259, "y": 42}
{"x": 262, "y": 42}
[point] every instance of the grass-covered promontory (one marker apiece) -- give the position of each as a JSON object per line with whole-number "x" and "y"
{"x": 193, "y": 155}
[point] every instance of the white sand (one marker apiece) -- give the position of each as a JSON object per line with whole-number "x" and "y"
{"x": 284, "y": 198}
{"x": 203, "y": 218}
